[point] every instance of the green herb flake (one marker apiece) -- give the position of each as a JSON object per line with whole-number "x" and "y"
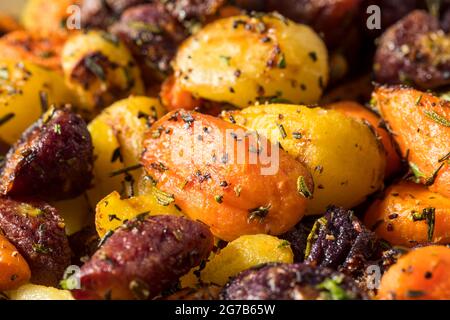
{"x": 302, "y": 188}
{"x": 313, "y": 234}
{"x": 282, "y": 62}
{"x": 430, "y": 217}
{"x": 218, "y": 198}
{"x": 282, "y": 131}
{"x": 436, "y": 117}
{"x": 225, "y": 59}
{"x": 416, "y": 172}
{"x": 4, "y": 73}
{"x": 95, "y": 68}
{"x": 333, "y": 290}
{"x": 259, "y": 213}
{"x": 284, "y": 244}
{"x": 40, "y": 248}
{"x": 57, "y": 128}
{"x": 163, "y": 198}
{"x": 419, "y": 99}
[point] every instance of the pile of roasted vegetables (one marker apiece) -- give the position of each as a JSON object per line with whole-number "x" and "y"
{"x": 133, "y": 150}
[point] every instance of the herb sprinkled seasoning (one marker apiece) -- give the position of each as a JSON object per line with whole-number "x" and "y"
{"x": 282, "y": 131}
{"x": 125, "y": 170}
{"x": 259, "y": 213}
{"x": 436, "y": 117}
{"x": 6, "y": 118}
{"x": 302, "y": 188}
{"x": 95, "y": 68}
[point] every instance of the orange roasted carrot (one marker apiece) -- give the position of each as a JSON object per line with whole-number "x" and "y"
{"x": 420, "y": 123}
{"x": 410, "y": 214}
{"x": 421, "y": 274}
{"x": 22, "y": 45}
{"x": 8, "y": 24}
{"x": 217, "y": 174}
{"x": 14, "y": 270}
{"x": 359, "y": 112}
{"x": 174, "y": 97}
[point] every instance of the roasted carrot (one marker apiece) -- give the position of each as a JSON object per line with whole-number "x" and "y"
{"x": 205, "y": 166}
{"x": 22, "y": 45}
{"x": 420, "y": 123}
{"x": 174, "y": 97}
{"x": 359, "y": 112}
{"x": 8, "y": 24}
{"x": 421, "y": 274}
{"x": 14, "y": 270}
{"x": 410, "y": 214}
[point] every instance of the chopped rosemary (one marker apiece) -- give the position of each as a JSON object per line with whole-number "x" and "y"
{"x": 419, "y": 99}
{"x": 40, "y": 248}
{"x": 95, "y": 68}
{"x": 163, "y": 198}
{"x": 284, "y": 244}
{"x": 312, "y": 235}
{"x": 445, "y": 158}
{"x": 282, "y": 62}
{"x": 125, "y": 170}
{"x": 259, "y": 213}
{"x": 6, "y": 118}
{"x": 416, "y": 172}
{"x": 436, "y": 117}
{"x": 282, "y": 131}
{"x": 43, "y": 98}
{"x": 117, "y": 155}
{"x": 302, "y": 188}
{"x": 429, "y": 181}
{"x": 430, "y": 217}
{"x": 107, "y": 235}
